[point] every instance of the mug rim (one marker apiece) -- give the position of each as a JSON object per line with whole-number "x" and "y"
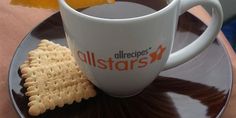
{"x": 63, "y": 4}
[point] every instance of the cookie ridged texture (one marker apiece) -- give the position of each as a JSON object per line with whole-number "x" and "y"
{"x": 53, "y": 79}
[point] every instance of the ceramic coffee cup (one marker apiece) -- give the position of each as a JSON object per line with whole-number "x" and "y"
{"x": 124, "y": 53}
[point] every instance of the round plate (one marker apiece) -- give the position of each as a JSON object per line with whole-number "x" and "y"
{"x": 199, "y": 88}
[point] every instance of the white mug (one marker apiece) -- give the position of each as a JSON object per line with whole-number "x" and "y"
{"x": 122, "y": 56}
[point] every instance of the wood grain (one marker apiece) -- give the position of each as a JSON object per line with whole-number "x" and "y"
{"x": 16, "y": 22}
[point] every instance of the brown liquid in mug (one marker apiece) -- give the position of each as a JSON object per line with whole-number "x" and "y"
{"x": 154, "y": 4}
{"x": 126, "y": 8}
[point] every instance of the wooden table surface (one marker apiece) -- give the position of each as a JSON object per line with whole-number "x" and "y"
{"x": 17, "y": 21}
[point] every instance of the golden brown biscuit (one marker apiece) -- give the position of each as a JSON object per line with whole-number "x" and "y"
{"x": 53, "y": 79}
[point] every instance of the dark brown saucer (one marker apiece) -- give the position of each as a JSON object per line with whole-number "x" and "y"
{"x": 200, "y": 88}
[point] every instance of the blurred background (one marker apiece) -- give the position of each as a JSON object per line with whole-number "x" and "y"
{"x": 229, "y": 8}
{"x": 229, "y": 27}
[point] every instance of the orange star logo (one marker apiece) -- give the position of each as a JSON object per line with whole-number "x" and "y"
{"x": 157, "y": 55}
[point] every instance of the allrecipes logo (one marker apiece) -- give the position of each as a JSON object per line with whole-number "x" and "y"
{"x": 123, "y": 61}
